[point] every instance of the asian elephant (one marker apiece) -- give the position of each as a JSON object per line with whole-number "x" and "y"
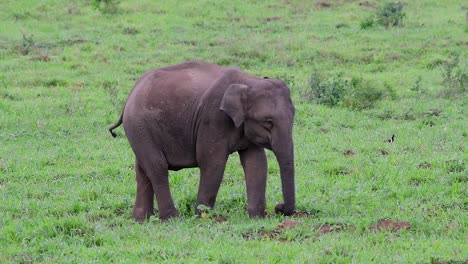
{"x": 194, "y": 115}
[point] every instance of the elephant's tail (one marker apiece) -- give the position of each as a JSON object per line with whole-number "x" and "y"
{"x": 114, "y": 126}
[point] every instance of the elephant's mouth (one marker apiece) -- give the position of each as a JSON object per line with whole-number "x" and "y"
{"x": 264, "y": 145}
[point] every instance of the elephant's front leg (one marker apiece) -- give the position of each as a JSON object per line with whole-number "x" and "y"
{"x": 255, "y": 169}
{"x": 211, "y": 175}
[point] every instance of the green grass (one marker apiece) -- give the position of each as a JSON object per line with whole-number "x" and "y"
{"x": 67, "y": 187}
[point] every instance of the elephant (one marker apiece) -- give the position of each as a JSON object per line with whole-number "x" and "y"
{"x": 195, "y": 114}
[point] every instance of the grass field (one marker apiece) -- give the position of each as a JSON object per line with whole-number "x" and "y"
{"x": 67, "y": 187}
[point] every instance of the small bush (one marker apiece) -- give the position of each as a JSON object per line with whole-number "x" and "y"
{"x": 367, "y": 22}
{"x": 417, "y": 88}
{"x": 455, "y": 78}
{"x": 391, "y": 14}
{"x": 353, "y": 93}
{"x": 328, "y": 92}
{"x": 27, "y": 44}
{"x": 106, "y": 6}
{"x": 362, "y": 95}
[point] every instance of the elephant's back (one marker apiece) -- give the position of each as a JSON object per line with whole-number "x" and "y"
{"x": 171, "y": 95}
{"x": 174, "y": 84}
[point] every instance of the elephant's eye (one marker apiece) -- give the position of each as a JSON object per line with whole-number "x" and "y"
{"x": 268, "y": 124}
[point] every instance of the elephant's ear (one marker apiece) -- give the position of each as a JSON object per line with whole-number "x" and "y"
{"x": 232, "y": 103}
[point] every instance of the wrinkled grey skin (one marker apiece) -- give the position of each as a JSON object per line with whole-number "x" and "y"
{"x": 194, "y": 115}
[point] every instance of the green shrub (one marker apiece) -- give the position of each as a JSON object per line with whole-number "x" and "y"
{"x": 367, "y": 22}
{"x": 329, "y": 92}
{"x": 106, "y": 6}
{"x": 353, "y": 93}
{"x": 362, "y": 95}
{"x": 391, "y": 14}
{"x": 455, "y": 78}
{"x": 27, "y": 44}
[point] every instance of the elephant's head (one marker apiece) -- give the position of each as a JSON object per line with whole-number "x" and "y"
{"x": 265, "y": 110}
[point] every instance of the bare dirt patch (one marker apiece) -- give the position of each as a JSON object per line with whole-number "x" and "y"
{"x": 274, "y": 234}
{"x": 349, "y": 153}
{"x": 288, "y": 224}
{"x": 424, "y": 165}
{"x": 44, "y": 58}
{"x": 384, "y": 152}
{"x": 332, "y": 228}
{"x": 389, "y": 225}
{"x": 367, "y": 4}
{"x": 300, "y": 214}
{"x": 323, "y": 4}
{"x": 275, "y": 18}
{"x": 219, "y": 218}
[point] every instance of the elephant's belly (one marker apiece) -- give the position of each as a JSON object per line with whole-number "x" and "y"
{"x": 181, "y": 165}
{"x": 179, "y": 160}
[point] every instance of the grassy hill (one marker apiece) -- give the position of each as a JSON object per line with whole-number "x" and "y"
{"x": 67, "y": 187}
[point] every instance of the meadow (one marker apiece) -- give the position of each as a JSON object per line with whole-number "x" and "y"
{"x": 67, "y": 187}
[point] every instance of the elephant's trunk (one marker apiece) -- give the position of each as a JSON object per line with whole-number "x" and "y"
{"x": 284, "y": 152}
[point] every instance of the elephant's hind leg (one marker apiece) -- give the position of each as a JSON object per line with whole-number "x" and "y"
{"x": 144, "y": 197}
{"x": 155, "y": 167}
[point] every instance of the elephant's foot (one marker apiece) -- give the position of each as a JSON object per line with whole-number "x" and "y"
{"x": 280, "y": 209}
{"x": 141, "y": 214}
{"x": 257, "y": 213}
{"x": 168, "y": 214}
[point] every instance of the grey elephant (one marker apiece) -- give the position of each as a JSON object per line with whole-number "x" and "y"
{"x": 194, "y": 115}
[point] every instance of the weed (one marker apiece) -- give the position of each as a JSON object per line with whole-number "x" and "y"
{"x": 130, "y": 31}
{"x": 454, "y": 166}
{"x": 455, "y": 78}
{"x": 362, "y": 95}
{"x": 390, "y": 15}
{"x": 329, "y": 92}
{"x": 353, "y": 93}
{"x": 368, "y": 22}
{"x": 417, "y": 86}
{"x": 27, "y": 44}
{"x": 109, "y": 7}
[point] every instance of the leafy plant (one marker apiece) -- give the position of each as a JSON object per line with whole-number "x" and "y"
{"x": 353, "y": 93}
{"x": 368, "y": 22}
{"x": 362, "y": 95}
{"x": 106, "y": 6}
{"x": 455, "y": 78}
{"x": 27, "y": 44}
{"x": 328, "y": 92}
{"x": 417, "y": 87}
{"x": 391, "y": 14}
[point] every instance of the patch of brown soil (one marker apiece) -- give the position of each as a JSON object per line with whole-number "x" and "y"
{"x": 287, "y": 224}
{"x": 301, "y": 214}
{"x": 424, "y": 165}
{"x": 44, "y": 58}
{"x": 219, "y": 218}
{"x": 389, "y": 225}
{"x": 367, "y": 4}
{"x": 332, "y": 228}
{"x": 384, "y": 152}
{"x": 323, "y": 4}
{"x": 262, "y": 234}
{"x": 349, "y": 153}
{"x": 275, "y": 18}
{"x": 76, "y": 42}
